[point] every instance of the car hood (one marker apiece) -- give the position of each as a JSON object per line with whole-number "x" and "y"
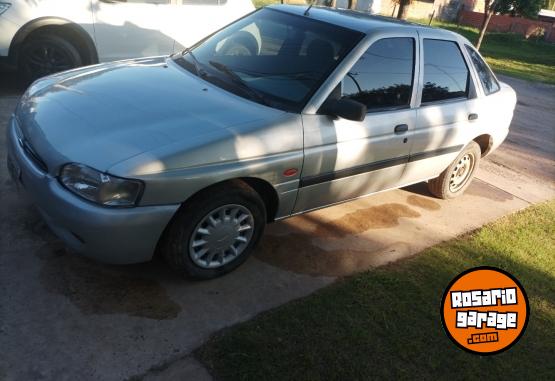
{"x": 104, "y": 114}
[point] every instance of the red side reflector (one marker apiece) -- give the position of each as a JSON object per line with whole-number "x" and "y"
{"x": 290, "y": 172}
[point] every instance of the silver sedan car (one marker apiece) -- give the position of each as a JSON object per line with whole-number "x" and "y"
{"x": 284, "y": 111}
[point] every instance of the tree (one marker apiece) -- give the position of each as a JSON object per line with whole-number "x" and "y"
{"x": 526, "y": 8}
{"x": 489, "y": 8}
{"x": 403, "y": 8}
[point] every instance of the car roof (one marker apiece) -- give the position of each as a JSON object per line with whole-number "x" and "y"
{"x": 362, "y": 21}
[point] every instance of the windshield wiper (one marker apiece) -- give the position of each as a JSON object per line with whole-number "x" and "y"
{"x": 239, "y": 81}
{"x": 198, "y": 68}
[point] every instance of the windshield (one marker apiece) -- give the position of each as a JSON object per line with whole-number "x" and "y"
{"x": 271, "y": 57}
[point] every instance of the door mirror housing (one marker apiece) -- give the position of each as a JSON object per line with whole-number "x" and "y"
{"x": 344, "y": 108}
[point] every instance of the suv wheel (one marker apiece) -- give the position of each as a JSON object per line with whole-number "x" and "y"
{"x": 215, "y": 232}
{"x": 47, "y": 54}
{"x": 457, "y": 177}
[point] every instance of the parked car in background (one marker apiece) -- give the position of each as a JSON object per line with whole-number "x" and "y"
{"x": 42, "y": 37}
{"x": 282, "y": 112}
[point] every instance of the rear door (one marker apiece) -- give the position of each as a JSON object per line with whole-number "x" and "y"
{"x": 346, "y": 159}
{"x": 448, "y": 113}
{"x": 133, "y": 28}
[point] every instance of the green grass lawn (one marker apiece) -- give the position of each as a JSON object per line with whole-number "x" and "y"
{"x": 385, "y": 323}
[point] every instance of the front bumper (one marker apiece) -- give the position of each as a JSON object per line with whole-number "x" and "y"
{"x": 112, "y": 235}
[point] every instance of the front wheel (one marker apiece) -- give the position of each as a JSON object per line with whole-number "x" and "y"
{"x": 457, "y": 177}
{"x": 216, "y": 231}
{"x": 47, "y": 54}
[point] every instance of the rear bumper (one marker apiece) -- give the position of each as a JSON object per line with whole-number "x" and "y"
{"x": 120, "y": 236}
{"x": 498, "y": 138}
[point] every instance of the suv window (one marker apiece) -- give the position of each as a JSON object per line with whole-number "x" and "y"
{"x": 445, "y": 72}
{"x": 382, "y": 78}
{"x": 489, "y": 83}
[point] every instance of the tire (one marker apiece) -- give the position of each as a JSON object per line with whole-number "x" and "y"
{"x": 47, "y": 54}
{"x": 454, "y": 180}
{"x": 182, "y": 233}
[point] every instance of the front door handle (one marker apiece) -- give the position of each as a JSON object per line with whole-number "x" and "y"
{"x": 401, "y": 128}
{"x": 472, "y": 116}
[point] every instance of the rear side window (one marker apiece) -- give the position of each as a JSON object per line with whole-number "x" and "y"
{"x": 445, "y": 72}
{"x": 489, "y": 83}
{"x": 382, "y": 78}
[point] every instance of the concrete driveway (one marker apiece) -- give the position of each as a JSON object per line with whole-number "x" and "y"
{"x": 65, "y": 317}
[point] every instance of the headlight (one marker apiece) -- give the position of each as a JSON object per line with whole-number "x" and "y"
{"x": 99, "y": 187}
{"x": 4, "y": 7}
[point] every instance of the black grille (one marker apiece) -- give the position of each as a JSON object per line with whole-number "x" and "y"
{"x": 33, "y": 155}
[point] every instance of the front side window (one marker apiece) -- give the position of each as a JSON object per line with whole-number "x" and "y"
{"x": 489, "y": 83}
{"x": 382, "y": 77}
{"x": 445, "y": 73}
{"x": 272, "y": 57}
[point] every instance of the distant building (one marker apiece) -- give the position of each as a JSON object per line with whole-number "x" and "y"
{"x": 444, "y": 9}
{"x": 371, "y": 6}
{"x": 447, "y": 10}
{"x": 546, "y": 15}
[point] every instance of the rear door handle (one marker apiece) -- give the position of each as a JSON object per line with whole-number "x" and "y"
{"x": 472, "y": 116}
{"x": 401, "y": 128}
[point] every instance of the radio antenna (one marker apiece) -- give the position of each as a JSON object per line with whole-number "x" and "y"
{"x": 308, "y": 9}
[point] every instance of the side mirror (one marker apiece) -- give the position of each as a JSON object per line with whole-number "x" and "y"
{"x": 345, "y": 108}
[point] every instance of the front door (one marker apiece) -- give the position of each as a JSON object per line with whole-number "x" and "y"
{"x": 133, "y": 28}
{"x": 346, "y": 159}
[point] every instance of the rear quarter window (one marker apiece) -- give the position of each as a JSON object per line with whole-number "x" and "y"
{"x": 489, "y": 83}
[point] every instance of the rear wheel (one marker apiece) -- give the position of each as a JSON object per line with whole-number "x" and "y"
{"x": 457, "y": 177}
{"x": 216, "y": 231}
{"x": 47, "y": 54}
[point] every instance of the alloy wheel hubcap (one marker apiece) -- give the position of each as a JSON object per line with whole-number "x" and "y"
{"x": 461, "y": 173}
{"x": 48, "y": 59}
{"x": 221, "y": 236}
